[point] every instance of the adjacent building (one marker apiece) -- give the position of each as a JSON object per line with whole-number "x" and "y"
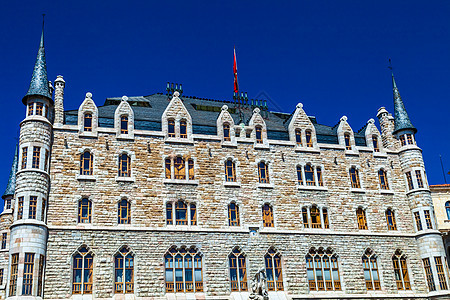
{"x": 169, "y": 196}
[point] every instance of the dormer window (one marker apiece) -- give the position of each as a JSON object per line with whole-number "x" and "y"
{"x": 258, "y": 134}
{"x": 39, "y": 108}
{"x": 171, "y": 128}
{"x": 226, "y": 132}
{"x": 183, "y": 129}
{"x": 87, "y": 122}
{"x": 347, "y": 142}
{"x": 298, "y": 137}
{"x": 124, "y": 124}
{"x": 376, "y": 148}
{"x": 308, "y": 136}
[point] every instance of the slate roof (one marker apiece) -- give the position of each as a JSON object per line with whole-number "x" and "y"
{"x": 401, "y": 118}
{"x": 149, "y": 109}
{"x": 11, "y": 186}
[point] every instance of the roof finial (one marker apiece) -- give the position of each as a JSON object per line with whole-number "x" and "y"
{"x": 41, "y": 45}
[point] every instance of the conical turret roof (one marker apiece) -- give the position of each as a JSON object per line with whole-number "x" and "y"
{"x": 11, "y": 186}
{"x": 401, "y": 118}
{"x": 39, "y": 79}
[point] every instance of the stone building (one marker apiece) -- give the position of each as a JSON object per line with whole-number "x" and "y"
{"x": 174, "y": 197}
{"x": 440, "y": 193}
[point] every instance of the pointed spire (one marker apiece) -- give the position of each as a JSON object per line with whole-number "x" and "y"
{"x": 11, "y": 186}
{"x": 39, "y": 81}
{"x": 401, "y": 118}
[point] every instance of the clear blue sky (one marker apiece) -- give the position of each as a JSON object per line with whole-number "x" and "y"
{"x": 330, "y": 55}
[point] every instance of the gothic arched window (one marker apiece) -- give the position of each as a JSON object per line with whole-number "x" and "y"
{"x": 183, "y": 270}
{"x": 383, "y": 179}
{"x": 390, "y": 219}
{"x": 322, "y": 270}
{"x": 124, "y": 165}
{"x": 87, "y": 122}
{"x": 309, "y": 175}
{"x": 263, "y": 172}
{"x": 298, "y": 137}
{"x": 308, "y": 135}
{"x": 84, "y": 211}
{"x": 124, "y": 212}
{"x": 226, "y": 132}
{"x": 258, "y": 134}
{"x": 171, "y": 127}
{"x": 230, "y": 171}
{"x": 233, "y": 214}
{"x": 354, "y": 177}
{"x": 183, "y": 129}
{"x": 86, "y": 163}
{"x": 82, "y": 271}
{"x": 370, "y": 266}
{"x": 238, "y": 271}
{"x": 124, "y": 269}
{"x": 180, "y": 168}
{"x": 124, "y": 124}
{"x": 401, "y": 271}
{"x": 361, "y": 217}
{"x": 267, "y": 212}
{"x": 347, "y": 141}
{"x": 376, "y": 147}
{"x": 273, "y": 270}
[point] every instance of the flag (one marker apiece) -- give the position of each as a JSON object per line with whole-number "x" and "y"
{"x": 236, "y": 85}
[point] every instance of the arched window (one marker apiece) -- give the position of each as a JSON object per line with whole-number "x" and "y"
{"x": 376, "y": 147}
{"x": 390, "y": 219}
{"x": 124, "y": 124}
{"x": 267, "y": 212}
{"x": 299, "y": 175}
{"x": 326, "y": 224}
{"x": 230, "y": 171}
{"x": 226, "y": 132}
{"x": 305, "y": 217}
{"x": 273, "y": 271}
{"x": 308, "y": 135}
{"x": 124, "y": 267}
{"x": 361, "y": 217}
{"x": 191, "y": 169}
{"x": 238, "y": 271}
{"x": 184, "y": 214}
{"x": 383, "y": 179}
{"x": 124, "y": 165}
{"x": 193, "y": 212}
{"x": 309, "y": 175}
{"x": 171, "y": 127}
{"x": 168, "y": 171}
{"x": 258, "y": 134}
{"x": 315, "y": 217}
{"x": 401, "y": 271}
{"x": 347, "y": 141}
{"x": 84, "y": 211}
{"x": 181, "y": 213}
{"x": 183, "y": 270}
{"x": 354, "y": 177}
{"x": 87, "y": 122}
{"x": 124, "y": 212}
{"x": 183, "y": 129}
{"x": 298, "y": 137}
{"x": 322, "y": 270}
{"x": 447, "y": 209}
{"x": 180, "y": 169}
{"x": 82, "y": 271}
{"x": 86, "y": 163}
{"x": 370, "y": 266}
{"x": 233, "y": 214}
{"x": 319, "y": 176}
{"x": 263, "y": 172}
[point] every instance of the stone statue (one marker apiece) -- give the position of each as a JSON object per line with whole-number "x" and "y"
{"x": 259, "y": 286}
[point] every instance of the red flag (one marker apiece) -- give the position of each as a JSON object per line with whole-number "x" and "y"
{"x": 236, "y": 85}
